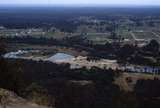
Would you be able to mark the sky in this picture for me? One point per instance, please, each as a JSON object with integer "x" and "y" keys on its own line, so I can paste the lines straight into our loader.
{"x": 86, "y": 2}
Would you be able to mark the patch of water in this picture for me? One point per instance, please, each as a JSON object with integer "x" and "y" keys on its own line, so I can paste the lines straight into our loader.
{"x": 60, "y": 57}
{"x": 14, "y": 54}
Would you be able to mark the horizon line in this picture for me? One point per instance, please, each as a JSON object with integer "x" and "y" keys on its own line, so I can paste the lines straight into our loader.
{"x": 84, "y": 5}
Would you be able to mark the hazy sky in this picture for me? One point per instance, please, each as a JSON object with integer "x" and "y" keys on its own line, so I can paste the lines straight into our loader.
{"x": 87, "y": 2}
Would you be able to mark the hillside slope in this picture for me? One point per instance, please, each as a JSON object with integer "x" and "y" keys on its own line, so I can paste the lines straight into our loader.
{"x": 9, "y": 99}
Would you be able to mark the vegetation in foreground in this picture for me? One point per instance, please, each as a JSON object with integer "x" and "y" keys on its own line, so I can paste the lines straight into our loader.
{"x": 61, "y": 87}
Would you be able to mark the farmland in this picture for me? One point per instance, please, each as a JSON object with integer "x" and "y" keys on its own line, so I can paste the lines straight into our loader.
{"x": 85, "y": 57}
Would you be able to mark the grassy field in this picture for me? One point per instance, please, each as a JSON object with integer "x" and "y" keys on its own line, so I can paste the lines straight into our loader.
{"x": 98, "y": 38}
{"x": 95, "y": 37}
{"x": 144, "y": 35}
{"x": 124, "y": 85}
{"x": 127, "y": 35}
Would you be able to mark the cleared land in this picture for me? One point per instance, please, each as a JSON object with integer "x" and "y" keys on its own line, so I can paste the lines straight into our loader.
{"x": 129, "y": 86}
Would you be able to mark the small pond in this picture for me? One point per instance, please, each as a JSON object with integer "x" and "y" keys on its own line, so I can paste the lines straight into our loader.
{"x": 60, "y": 57}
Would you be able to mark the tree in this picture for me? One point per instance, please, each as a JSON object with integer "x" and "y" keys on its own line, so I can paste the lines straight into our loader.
{"x": 125, "y": 52}
{"x": 2, "y": 47}
{"x": 11, "y": 76}
{"x": 153, "y": 46}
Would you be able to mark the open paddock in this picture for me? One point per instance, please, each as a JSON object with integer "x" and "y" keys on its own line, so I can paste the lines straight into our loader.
{"x": 98, "y": 38}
